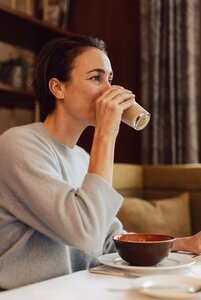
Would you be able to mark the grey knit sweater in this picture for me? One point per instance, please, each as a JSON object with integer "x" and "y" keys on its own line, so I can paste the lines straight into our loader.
{"x": 55, "y": 218}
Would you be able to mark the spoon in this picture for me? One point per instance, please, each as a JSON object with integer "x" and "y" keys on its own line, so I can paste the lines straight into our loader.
{"x": 193, "y": 289}
{"x": 140, "y": 289}
{"x": 189, "y": 289}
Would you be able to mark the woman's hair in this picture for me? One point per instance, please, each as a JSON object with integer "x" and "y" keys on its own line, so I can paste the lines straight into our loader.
{"x": 56, "y": 60}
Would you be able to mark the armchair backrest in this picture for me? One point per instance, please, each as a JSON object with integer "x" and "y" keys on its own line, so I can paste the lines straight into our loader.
{"x": 156, "y": 181}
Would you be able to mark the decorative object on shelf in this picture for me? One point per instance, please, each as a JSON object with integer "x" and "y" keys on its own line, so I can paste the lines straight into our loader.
{"x": 16, "y": 66}
{"x": 55, "y": 12}
{"x": 14, "y": 72}
{"x": 64, "y": 14}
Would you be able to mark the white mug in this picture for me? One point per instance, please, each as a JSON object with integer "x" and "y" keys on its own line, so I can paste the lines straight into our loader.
{"x": 136, "y": 116}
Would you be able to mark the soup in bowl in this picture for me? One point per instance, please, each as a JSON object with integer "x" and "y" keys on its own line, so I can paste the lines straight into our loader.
{"x": 143, "y": 249}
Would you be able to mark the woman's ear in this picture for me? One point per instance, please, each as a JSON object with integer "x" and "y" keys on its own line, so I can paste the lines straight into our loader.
{"x": 57, "y": 88}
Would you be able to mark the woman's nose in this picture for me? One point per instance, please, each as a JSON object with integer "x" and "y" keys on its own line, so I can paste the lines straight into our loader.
{"x": 106, "y": 85}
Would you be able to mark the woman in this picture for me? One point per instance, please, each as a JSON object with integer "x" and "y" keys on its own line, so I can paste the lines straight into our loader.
{"x": 58, "y": 207}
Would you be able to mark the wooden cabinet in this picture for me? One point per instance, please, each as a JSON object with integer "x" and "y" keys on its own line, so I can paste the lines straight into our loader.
{"x": 27, "y": 32}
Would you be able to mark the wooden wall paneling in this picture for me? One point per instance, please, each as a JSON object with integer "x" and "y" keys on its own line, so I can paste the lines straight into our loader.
{"x": 117, "y": 23}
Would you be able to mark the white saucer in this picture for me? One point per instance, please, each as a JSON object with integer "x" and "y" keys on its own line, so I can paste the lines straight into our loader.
{"x": 173, "y": 261}
{"x": 167, "y": 286}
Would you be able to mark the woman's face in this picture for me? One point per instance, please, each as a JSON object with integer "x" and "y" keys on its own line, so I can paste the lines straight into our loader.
{"x": 90, "y": 77}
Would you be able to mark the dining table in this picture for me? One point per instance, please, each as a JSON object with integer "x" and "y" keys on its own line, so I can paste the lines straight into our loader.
{"x": 103, "y": 284}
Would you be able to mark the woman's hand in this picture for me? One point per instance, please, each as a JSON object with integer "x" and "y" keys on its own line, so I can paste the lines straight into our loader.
{"x": 109, "y": 108}
{"x": 190, "y": 244}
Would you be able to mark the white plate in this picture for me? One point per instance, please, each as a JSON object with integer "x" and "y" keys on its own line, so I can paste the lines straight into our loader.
{"x": 173, "y": 261}
{"x": 167, "y": 286}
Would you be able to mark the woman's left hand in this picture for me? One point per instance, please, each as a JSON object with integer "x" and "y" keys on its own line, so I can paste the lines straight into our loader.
{"x": 190, "y": 243}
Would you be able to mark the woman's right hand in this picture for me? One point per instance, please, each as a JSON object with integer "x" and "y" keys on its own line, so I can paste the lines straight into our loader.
{"x": 109, "y": 108}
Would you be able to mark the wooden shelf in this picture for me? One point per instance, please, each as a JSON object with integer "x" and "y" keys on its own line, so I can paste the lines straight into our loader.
{"x": 26, "y": 31}
{"x": 9, "y": 96}
{"x": 22, "y": 30}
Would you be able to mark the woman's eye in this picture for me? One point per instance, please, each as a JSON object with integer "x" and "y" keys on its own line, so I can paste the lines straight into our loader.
{"x": 96, "y": 78}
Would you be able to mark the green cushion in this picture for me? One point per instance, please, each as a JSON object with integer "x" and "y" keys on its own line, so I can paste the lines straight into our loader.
{"x": 169, "y": 216}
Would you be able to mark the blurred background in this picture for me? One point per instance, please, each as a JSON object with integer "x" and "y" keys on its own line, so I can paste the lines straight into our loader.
{"x": 154, "y": 48}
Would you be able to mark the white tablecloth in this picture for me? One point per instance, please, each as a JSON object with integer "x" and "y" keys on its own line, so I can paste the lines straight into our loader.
{"x": 84, "y": 285}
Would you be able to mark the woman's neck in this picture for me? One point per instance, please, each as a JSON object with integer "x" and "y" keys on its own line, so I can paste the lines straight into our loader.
{"x": 64, "y": 130}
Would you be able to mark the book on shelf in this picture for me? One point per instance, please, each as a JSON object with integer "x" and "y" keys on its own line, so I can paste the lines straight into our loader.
{"x": 55, "y": 12}
{"x": 25, "y": 6}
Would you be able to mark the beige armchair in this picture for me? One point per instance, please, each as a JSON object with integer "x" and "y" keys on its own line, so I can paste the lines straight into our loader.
{"x": 156, "y": 182}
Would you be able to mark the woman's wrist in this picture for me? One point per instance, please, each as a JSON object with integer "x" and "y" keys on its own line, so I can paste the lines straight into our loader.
{"x": 191, "y": 243}
{"x": 181, "y": 244}
{"x": 106, "y": 133}
{"x": 102, "y": 156}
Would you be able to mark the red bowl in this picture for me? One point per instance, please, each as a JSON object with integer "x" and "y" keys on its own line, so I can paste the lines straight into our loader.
{"x": 143, "y": 249}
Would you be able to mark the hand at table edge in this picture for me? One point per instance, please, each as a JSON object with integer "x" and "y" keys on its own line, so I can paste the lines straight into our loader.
{"x": 189, "y": 243}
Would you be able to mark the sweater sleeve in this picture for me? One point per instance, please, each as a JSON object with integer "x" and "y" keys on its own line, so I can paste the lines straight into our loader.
{"x": 115, "y": 229}
{"x": 36, "y": 195}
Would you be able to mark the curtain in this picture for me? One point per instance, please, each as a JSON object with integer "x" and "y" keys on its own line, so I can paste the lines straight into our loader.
{"x": 170, "y": 80}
